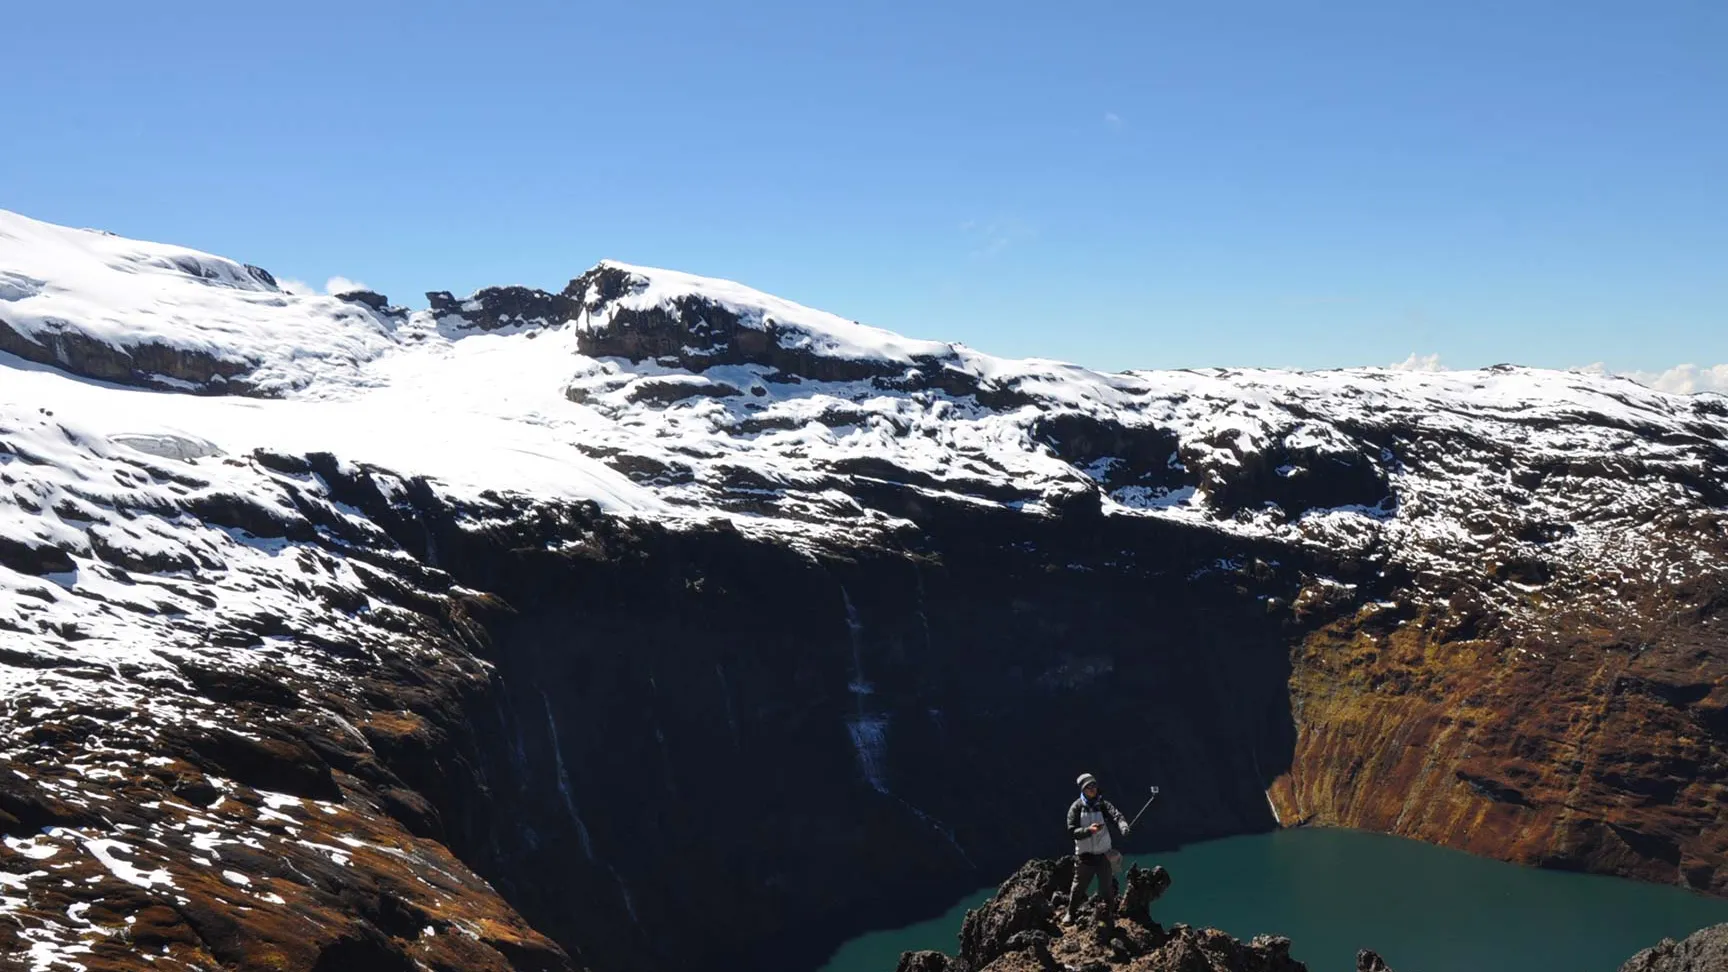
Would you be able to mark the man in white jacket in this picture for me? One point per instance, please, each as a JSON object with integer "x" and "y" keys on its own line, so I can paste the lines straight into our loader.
{"x": 1086, "y": 818}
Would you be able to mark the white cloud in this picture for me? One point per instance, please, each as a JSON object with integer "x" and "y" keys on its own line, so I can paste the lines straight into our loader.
{"x": 1419, "y": 362}
{"x": 342, "y": 285}
{"x": 1680, "y": 379}
{"x": 1112, "y": 119}
{"x": 289, "y": 285}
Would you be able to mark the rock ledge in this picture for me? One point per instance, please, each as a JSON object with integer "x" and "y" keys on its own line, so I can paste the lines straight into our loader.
{"x": 1020, "y": 930}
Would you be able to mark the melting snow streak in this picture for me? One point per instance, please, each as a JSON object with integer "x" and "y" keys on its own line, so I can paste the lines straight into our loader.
{"x": 564, "y": 780}
{"x": 870, "y": 738}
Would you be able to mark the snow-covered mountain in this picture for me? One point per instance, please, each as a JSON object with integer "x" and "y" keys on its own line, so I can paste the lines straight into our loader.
{"x": 264, "y": 557}
{"x": 663, "y": 394}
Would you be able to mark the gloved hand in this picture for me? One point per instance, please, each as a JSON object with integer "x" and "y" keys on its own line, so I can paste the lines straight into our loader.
{"x": 1124, "y": 830}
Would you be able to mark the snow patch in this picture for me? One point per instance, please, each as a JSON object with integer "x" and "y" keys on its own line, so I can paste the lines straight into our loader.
{"x": 108, "y": 851}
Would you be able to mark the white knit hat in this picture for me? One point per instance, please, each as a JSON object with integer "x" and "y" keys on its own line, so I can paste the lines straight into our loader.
{"x": 1085, "y": 780}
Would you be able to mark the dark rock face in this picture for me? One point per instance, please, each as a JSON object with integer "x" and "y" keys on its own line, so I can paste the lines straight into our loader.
{"x": 262, "y": 275}
{"x": 1702, "y": 951}
{"x": 1017, "y": 931}
{"x": 1297, "y": 480}
{"x": 373, "y": 300}
{"x": 668, "y": 391}
{"x": 1121, "y": 455}
{"x": 31, "y": 558}
{"x": 494, "y": 307}
{"x": 145, "y": 365}
{"x": 656, "y": 689}
{"x": 1370, "y": 961}
{"x": 696, "y": 333}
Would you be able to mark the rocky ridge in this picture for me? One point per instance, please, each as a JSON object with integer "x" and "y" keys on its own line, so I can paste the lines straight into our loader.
{"x": 1019, "y": 930}
{"x": 444, "y": 577}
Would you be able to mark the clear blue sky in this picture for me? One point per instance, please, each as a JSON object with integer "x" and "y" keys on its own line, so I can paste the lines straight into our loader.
{"x": 1147, "y": 184}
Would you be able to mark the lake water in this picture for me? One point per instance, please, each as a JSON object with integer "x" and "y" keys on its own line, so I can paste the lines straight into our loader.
{"x": 1424, "y": 908}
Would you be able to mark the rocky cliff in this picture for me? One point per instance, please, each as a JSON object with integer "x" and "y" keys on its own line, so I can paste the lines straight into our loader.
{"x": 598, "y": 627}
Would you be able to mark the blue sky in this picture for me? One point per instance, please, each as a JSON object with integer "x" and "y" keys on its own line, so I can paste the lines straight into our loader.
{"x": 1150, "y": 184}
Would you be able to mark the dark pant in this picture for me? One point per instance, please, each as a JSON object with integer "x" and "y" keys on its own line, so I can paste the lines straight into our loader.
{"x": 1088, "y": 867}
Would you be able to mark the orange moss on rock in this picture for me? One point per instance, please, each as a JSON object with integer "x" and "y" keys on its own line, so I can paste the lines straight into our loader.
{"x": 1571, "y": 747}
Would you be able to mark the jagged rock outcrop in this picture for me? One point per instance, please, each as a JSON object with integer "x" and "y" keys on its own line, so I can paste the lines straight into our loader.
{"x": 1705, "y": 950}
{"x": 491, "y": 308}
{"x": 373, "y": 300}
{"x": 625, "y": 317}
{"x": 1019, "y": 930}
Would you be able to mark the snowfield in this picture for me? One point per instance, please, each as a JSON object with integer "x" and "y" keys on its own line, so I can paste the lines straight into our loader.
{"x": 130, "y": 294}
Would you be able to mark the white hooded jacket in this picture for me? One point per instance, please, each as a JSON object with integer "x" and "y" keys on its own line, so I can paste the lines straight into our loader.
{"x": 1082, "y": 815}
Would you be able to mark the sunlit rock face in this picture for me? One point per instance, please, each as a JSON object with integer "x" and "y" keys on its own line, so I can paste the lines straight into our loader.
{"x": 1704, "y": 949}
{"x": 601, "y": 628}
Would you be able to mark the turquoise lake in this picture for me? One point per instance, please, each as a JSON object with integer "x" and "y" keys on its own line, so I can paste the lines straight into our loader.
{"x": 1424, "y": 908}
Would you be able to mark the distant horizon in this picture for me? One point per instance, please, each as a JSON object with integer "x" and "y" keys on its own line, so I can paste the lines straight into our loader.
{"x": 1123, "y": 186}
{"x": 1682, "y": 379}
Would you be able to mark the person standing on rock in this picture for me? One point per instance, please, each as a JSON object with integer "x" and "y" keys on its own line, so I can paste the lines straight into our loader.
{"x": 1086, "y": 824}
